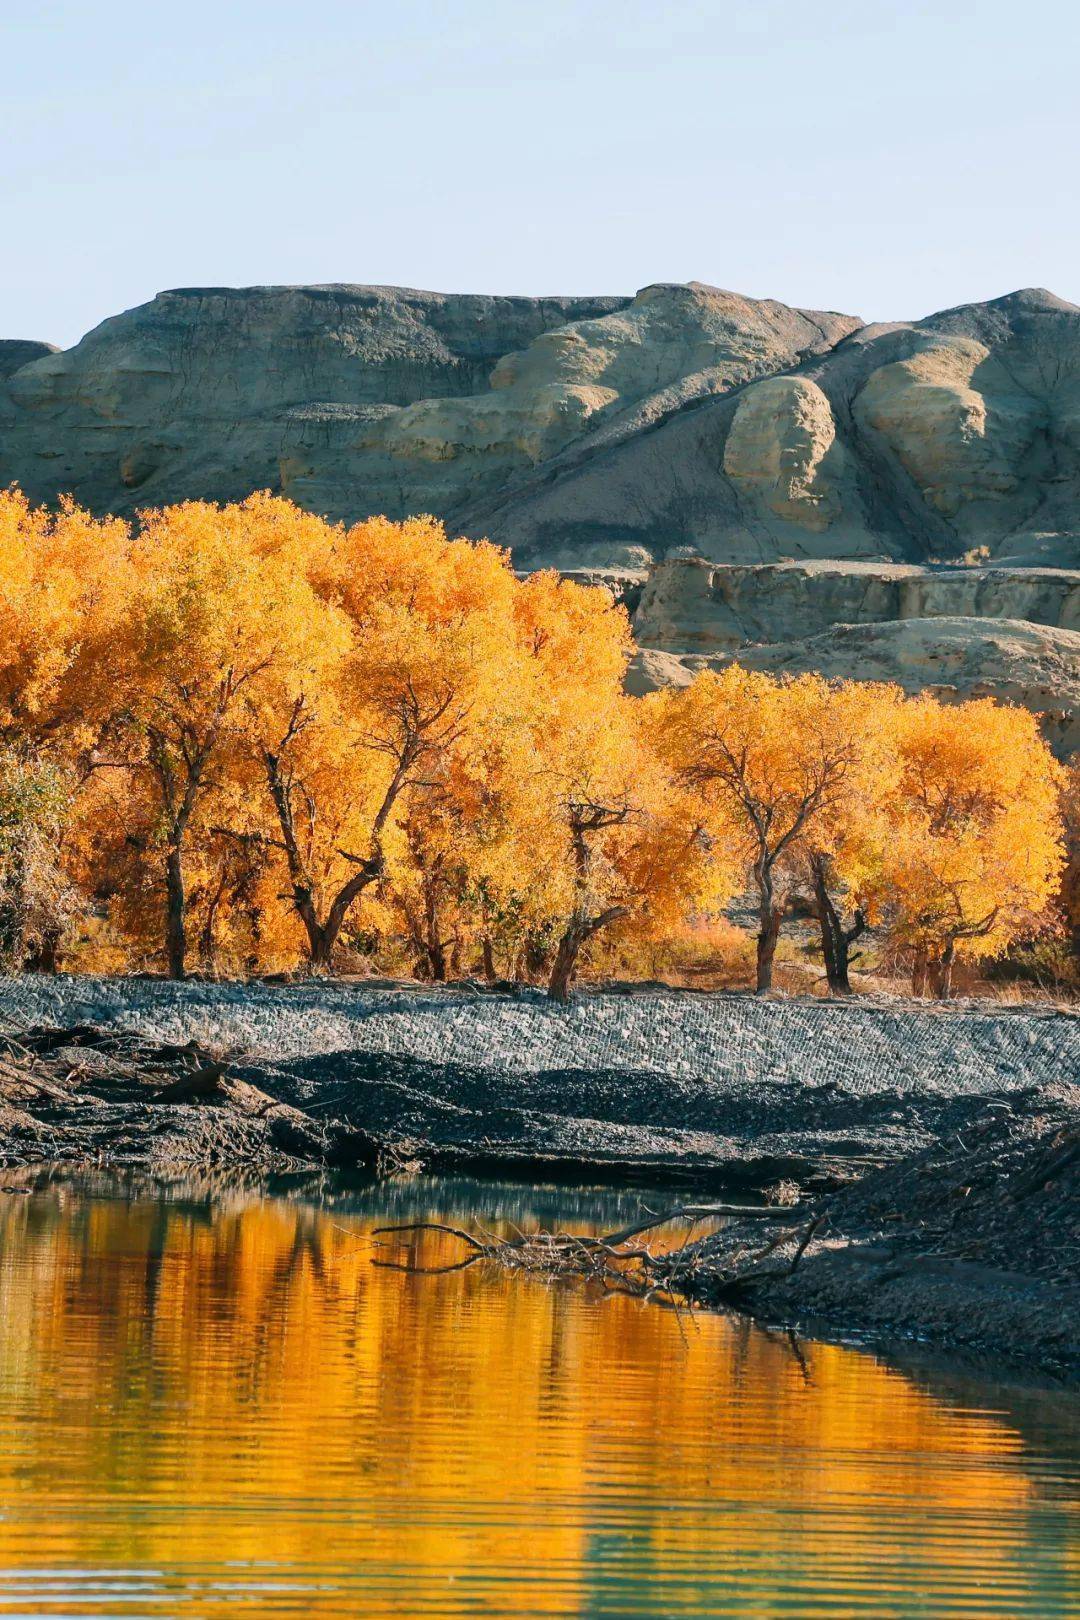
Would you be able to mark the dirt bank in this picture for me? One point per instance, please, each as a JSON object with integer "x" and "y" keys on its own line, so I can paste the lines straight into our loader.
{"x": 83, "y": 1098}
{"x": 90, "y": 1096}
{"x": 974, "y": 1241}
{"x": 654, "y": 1082}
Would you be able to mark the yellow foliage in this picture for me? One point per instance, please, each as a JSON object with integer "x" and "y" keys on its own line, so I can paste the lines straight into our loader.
{"x": 777, "y": 769}
{"x": 294, "y": 741}
{"x": 63, "y": 580}
{"x": 974, "y": 854}
{"x": 1070, "y": 813}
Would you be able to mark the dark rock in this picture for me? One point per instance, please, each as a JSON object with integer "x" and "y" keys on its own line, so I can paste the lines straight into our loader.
{"x": 17, "y": 352}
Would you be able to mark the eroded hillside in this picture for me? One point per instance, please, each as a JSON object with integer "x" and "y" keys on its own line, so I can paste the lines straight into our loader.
{"x": 744, "y": 473}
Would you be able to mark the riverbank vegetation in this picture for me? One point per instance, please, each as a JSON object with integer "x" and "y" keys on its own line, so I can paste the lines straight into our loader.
{"x": 240, "y": 739}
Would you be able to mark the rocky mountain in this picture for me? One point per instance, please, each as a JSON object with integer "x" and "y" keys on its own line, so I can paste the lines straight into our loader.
{"x": 955, "y": 435}
{"x": 355, "y": 400}
{"x": 743, "y": 473}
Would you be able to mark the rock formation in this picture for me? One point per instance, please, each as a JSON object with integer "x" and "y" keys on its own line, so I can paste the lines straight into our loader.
{"x": 688, "y": 605}
{"x": 18, "y": 352}
{"x": 745, "y": 475}
{"x": 1011, "y": 659}
{"x": 356, "y": 400}
{"x": 957, "y": 435}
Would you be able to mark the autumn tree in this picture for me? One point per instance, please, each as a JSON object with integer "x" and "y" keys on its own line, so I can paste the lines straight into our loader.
{"x": 1070, "y": 882}
{"x": 243, "y": 719}
{"x": 219, "y": 600}
{"x": 843, "y": 850}
{"x": 416, "y": 648}
{"x": 974, "y": 852}
{"x": 611, "y": 853}
{"x": 63, "y": 578}
{"x": 37, "y": 899}
{"x": 63, "y": 582}
{"x": 768, "y": 759}
{"x": 584, "y": 748}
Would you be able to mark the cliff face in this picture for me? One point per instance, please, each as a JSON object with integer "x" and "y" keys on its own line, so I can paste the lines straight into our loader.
{"x": 926, "y": 441}
{"x": 689, "y": 605}
{"x": 744, "y": 473}
{"x": 357, "y": 400}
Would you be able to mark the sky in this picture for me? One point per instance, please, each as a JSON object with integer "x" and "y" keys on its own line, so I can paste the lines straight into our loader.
{"x": 883, "y": 160}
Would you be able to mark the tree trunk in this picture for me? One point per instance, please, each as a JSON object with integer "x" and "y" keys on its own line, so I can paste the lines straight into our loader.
{"x": 45, "y": 958}
{"x": 320, "y": 949}
{"x": 770, "y": 916}
{"x": 919, "y": 970}
{"x": 534, "y": 959}
{"x": 175, "y": 914}
{"x": 434, "y": 944}
{"x": 323, "y": 936}
{"x": 488, "y": 958}
{"x": 836, "y": 940}
{"x": 944, "y": 972}
{"x": 206, "y": 938}
{"x": 767, "y": 940}
{"x": 579, "y": 929}
{"x": 562, "y": 971}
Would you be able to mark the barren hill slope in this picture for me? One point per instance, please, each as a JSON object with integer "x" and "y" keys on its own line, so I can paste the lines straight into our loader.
{"x": 908, "y": 442}
{"x": 358, "y": 400}
{"x": 744, "y": 473}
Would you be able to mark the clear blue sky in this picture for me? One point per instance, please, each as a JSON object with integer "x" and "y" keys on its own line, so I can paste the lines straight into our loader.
{"x": 885, "y": 160}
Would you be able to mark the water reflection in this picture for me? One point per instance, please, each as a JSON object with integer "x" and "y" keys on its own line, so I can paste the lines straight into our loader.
{"x": 213, "y": 1403}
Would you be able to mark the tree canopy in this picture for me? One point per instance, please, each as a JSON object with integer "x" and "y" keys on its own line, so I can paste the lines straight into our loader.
{"x": 242, "y": 739}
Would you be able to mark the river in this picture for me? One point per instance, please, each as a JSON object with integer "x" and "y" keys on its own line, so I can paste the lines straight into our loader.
{"x": 213, "y": 1402}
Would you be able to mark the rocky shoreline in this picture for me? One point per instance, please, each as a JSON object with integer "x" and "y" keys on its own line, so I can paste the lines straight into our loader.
{"x": 973, "y": 1241}
{"x": 943, "y": 1203}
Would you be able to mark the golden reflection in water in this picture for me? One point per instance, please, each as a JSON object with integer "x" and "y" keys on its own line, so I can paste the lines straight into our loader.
{"x": 228, "y": 1407}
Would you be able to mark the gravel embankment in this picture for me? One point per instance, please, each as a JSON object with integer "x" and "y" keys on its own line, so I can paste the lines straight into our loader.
{"x": 654, "y": 1082}
{"x": 951, "y": 1132}
{"x": 730, "y": 1040}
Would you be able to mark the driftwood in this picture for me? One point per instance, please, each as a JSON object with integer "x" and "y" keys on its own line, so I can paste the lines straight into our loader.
{"x": 1060, "y": 1160}
{"x": 608, "y": 1260}
{"x": 43, "y": 1041}
{"x": 204, "y": 1082}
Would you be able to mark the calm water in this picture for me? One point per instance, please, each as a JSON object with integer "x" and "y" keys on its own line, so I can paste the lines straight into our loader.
{"x": 216, "y": 1405}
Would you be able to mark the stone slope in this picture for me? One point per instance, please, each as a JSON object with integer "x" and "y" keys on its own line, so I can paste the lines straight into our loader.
{"x": 726, "y": 1043}
{"x": 360, "y": 400}
{"x": 209, "y": 391}
{"x": 687, "y": 604}
{"x": 911, "y": 442}
{"x": 1012, "y": 660}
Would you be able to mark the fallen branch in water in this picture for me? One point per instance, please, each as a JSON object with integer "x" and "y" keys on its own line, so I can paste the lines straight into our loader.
{"x": 746, "y": 1279}
{"x": 702, "y": 1212}
{"x": 605, "y": 1259}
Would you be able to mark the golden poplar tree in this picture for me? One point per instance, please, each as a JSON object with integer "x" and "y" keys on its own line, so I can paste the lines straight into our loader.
{"x": 415, "y": 642}
{"x": 768, "y": 759}
{"x": 219, "y": 602}
{"x": 974, "y": 854}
